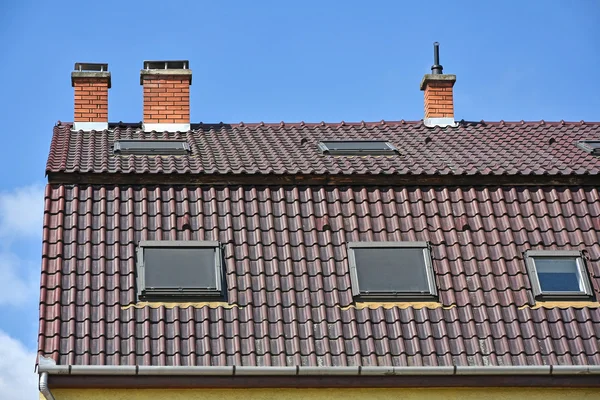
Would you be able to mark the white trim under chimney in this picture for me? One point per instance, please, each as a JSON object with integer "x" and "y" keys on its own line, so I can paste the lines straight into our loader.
{"x": 90, "y": 126}
{"x": 166, "y": 127}
{"x": 441, "y": 122}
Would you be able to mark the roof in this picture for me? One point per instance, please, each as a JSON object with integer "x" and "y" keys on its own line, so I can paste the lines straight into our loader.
{"x": 472, "y": 148}
{"x": 287, "y": 274}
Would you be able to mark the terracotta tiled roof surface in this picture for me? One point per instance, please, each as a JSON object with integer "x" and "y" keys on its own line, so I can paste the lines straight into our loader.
{"x": 289, "y": 298}
{"x": 516, "y": 148}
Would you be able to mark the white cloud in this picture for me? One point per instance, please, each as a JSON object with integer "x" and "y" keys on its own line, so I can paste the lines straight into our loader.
{"x": 17, "y": 289}
{"x": 18, "y": 381}
{"x": 21, "y": 211}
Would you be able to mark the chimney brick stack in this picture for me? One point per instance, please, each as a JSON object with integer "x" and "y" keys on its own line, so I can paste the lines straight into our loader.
{"x": 91, "y": 83}
{"x": 166, "y": 93}
{"x": 166, "y": 86}
{"x": 439, "y": 99}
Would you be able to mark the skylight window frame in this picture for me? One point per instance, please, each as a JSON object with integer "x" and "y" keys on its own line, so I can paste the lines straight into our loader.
{"x": 165, "y": 293}
{"x": 585, "y": 145}
{"x": 583, "y": 276}
{"x": 391, "y": 149}
{"x": 119, "y": 149}
{"x": 399, "y": 295}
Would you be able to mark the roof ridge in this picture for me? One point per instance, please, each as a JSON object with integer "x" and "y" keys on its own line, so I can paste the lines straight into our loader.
{"x": 282, "y": 124}
{"x": 402, "y": 121}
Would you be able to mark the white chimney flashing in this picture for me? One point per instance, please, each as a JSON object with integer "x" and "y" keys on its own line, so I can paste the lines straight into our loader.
{"x": 441, "y": 122}
{"x": 90, "y": 126}
{"x": 166, "y": 127}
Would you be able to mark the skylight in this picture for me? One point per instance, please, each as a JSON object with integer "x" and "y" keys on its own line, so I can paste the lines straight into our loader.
{"x": 558, "y": 274}
{"x": 391, "y": 270}
{"x": 591, "y": 146}
{"x": 151, "y": 147}
{"x": 357, "y": 147}
{"x": 178, "y": 269}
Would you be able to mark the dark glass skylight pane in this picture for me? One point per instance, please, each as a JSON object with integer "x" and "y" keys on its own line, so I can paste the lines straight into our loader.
{"x": 557, "y": 274}
{"x": 356, "y": 147}
{"x": 151, "y": 147}
{"x": 180, "y": 268}
{"x": 592, "y": 146}
{"x": 391, "y": 270}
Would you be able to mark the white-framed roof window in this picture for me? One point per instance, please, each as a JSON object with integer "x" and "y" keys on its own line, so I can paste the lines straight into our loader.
{"x": 558, "y": 274}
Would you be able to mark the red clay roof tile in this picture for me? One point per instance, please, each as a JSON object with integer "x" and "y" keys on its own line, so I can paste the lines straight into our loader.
{"x": 506, "y": 148}
{"x": 287, "y": 276}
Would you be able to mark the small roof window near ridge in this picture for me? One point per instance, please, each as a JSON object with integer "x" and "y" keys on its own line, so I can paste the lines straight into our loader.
{"x": 591, "y": 146}
{"x": 357, "y": 147}
{"x": 151, "y": 147}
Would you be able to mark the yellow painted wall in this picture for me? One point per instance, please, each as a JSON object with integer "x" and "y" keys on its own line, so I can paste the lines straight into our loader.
{"x": 328, "y": 394}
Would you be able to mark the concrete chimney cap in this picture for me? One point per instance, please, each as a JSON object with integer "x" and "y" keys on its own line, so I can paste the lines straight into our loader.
{"x": 90, "y": 71}
{"x": 437, "y": 78}
{"x": 167, "y": 68}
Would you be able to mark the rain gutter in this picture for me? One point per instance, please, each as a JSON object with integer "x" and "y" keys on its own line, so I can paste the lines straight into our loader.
{"x": 318, "y": 371}
{"x": 48, "y": 367}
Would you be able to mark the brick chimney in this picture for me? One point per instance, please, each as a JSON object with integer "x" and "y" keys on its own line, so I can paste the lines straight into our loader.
{"x": 166, "y": 95}
{"x": 439, "y": 100}
{"x": 91, "y": 83}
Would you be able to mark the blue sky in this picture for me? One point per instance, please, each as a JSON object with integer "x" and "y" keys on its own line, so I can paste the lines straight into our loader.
{"x": 266, "y": 61}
